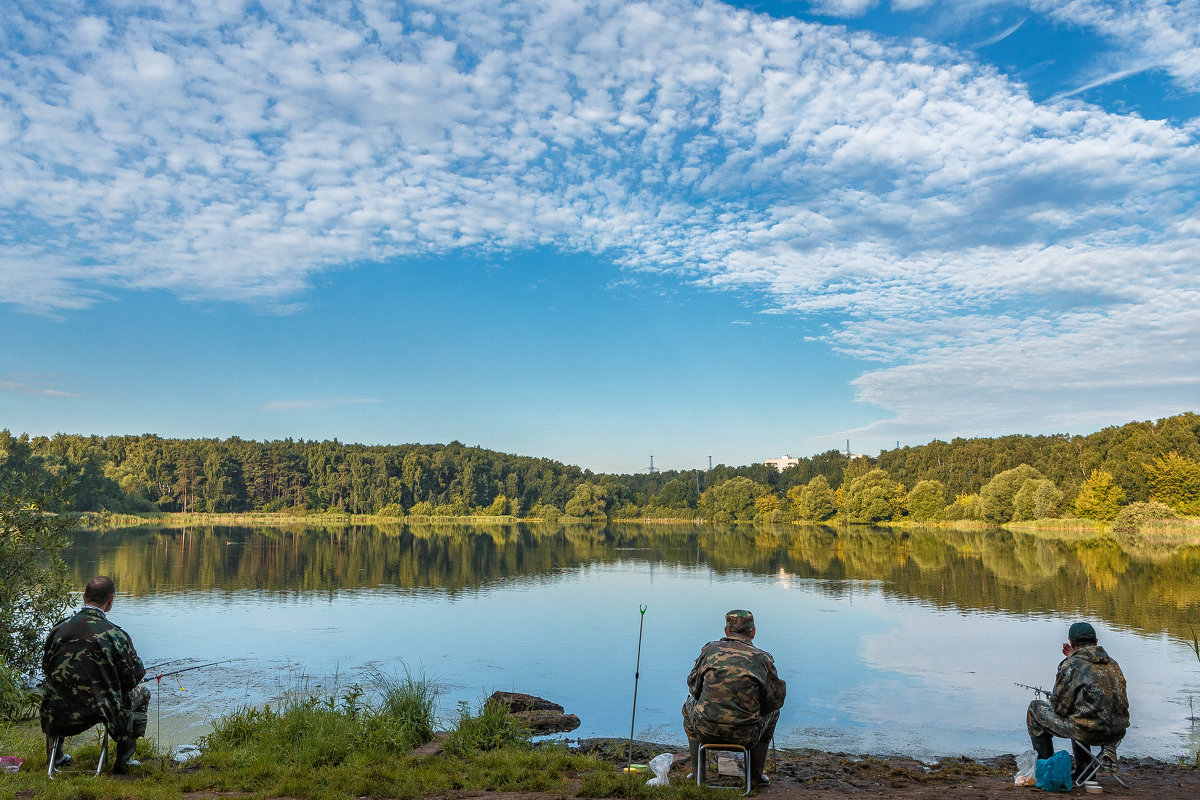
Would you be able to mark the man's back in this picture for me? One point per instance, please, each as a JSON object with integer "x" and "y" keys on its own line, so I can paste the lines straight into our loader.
{"x": 89, "y": 664}
{"x": 735, "y": 684}
{"x": 1090, "y": 690}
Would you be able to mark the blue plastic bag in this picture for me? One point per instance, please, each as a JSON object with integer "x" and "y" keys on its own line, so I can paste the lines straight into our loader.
{"x": 1054, "y": 773}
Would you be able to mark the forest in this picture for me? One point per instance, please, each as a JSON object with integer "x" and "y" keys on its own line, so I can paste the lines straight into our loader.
{"x": 1140, "y": 469}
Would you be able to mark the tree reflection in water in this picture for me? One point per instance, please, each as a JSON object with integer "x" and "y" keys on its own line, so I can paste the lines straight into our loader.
{"x": 1152, "y": 590}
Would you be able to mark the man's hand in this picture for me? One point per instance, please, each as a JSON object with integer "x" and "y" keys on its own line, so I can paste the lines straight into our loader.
{"x": 1068, "y": 648}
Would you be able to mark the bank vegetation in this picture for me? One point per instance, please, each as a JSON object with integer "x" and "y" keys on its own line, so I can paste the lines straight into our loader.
{"x": 1143, "y": 477}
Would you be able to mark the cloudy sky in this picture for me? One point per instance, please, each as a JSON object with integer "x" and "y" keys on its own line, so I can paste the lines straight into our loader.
{"x": 599, "y": 230}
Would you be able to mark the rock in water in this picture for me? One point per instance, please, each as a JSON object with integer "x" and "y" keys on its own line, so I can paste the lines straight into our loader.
{"x": 539, "y": 715}
{"x": 515, "y": 701}
{"x": 541, "y": 723}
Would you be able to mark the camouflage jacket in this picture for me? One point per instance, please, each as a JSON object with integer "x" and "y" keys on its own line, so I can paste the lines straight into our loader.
{"x": 735, "y": 684}
{"x": 90, "y": 667}
{"x": 1090, "y": 690}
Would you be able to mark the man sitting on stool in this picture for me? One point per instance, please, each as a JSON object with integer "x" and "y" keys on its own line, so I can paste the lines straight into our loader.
{"x": 93, "y": 675}
{"x": 1088, "y": 704}
{"x": 735, "y": 695}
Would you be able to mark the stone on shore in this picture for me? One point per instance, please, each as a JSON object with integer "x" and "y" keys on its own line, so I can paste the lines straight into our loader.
{"x": 538, "y": 714}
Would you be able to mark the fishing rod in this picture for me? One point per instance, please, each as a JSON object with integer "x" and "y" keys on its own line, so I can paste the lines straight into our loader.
{"x": 198, "y": 666}
{"x": 158, "y": 680}
{"x": 166, "y": 664}
{"x": 1034, "y": 689}
{"x": 636, "y": 671}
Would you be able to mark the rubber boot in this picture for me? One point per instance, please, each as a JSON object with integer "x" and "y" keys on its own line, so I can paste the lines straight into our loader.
{"x": 61, "y": 759}
{"x": 758, "y": 763}
{"x": 1043, "y": 745}
{"x": 125, "y": 749}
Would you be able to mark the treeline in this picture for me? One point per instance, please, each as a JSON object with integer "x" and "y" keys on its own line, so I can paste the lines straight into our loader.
{"x": 991, "y": 479}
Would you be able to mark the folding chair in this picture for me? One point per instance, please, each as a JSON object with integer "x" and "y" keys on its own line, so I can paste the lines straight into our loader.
{"x": 1094, "y": 765}
{"x": 55, "y": 743}
{"x": 702, "y": 759}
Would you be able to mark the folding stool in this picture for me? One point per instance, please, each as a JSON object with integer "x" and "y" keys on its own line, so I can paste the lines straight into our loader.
{"x": 702, "y": 763}
{"x": 1092, "y": 767}
{"x": 54, "y": 743}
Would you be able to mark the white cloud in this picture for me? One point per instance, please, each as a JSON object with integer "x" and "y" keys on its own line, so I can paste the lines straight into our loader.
{"x": 921, "y": 198}
{"x": 307, "y": 405}
{"x": 1163, "y": 34}
{"x": 46, "y": 385}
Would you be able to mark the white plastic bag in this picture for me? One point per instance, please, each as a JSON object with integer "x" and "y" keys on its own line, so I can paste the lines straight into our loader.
{"x": 660, "y": 765}
{"x": 1025, "y": 765}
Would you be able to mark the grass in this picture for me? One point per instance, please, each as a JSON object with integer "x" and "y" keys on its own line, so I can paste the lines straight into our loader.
{"x": 354, "y": 742}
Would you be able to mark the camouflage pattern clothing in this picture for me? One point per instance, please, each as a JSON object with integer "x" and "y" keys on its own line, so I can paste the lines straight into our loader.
{"x": 92, "y": 674}
{"x": 735, "y": 693}
{"x": 1088, "y": 703}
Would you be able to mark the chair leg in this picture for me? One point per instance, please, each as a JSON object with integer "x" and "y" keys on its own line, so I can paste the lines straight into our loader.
{"x": 103, "y": 748}
{"x": 52, "y": 745}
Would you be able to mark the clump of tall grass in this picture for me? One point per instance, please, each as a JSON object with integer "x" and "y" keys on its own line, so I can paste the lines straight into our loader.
{"x": 489, "y": 727}
{"x": 307, "y": 729}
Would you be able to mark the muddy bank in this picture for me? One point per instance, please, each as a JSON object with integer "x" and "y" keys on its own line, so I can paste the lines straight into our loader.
{"x": 803, "y": 774}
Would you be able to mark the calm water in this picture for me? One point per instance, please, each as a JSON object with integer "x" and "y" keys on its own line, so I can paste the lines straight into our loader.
{"x": 888, "y": 644}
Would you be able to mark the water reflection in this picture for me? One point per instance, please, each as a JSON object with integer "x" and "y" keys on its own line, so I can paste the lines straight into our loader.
{"x": 1150, "y": 590}
{"x": 889, "y": 643}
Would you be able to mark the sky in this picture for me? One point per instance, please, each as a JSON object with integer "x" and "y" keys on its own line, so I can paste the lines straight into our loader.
{"x": 598, "y": 231}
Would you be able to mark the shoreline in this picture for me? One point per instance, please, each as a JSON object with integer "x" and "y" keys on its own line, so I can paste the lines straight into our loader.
{"x": 1184, "y": 532}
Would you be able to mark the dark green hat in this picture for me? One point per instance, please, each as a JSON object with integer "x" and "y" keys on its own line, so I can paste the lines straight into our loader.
{"x": 1080, "y": 631}
{"x": 739, "y": 621}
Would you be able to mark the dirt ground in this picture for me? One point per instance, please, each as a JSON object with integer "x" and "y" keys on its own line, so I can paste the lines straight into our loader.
{"x": 815, "y": 775}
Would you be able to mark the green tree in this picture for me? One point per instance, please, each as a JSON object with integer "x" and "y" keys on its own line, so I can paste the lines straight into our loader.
{"x": 1175, "y": 481}
{"x": 926, "y": 500}
{"x": 1099, "y": 497}
{"x": 590, "y": 501}
{"x": 34, "y": 579}
{"x": 814, "y": 501}
{"x": 766, "y": 507}
{"x": 732, "y": 500}
{"x": 965, "y": 506}
{"x": 677, "y": 493}
{"x": 1038, "y": 498}
{"x": 873, "y": 497}
{"x": 1047, "y": 500}
{"x": 996, "y": 498}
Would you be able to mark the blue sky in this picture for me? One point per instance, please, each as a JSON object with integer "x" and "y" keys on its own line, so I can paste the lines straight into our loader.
{"x": 597, "y": 231}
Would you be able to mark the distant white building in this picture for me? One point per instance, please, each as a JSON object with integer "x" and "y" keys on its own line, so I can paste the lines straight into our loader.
{"x": 782, "y": 463}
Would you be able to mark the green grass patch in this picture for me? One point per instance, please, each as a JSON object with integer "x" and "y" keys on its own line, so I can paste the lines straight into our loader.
{"x": 350, "y": 742}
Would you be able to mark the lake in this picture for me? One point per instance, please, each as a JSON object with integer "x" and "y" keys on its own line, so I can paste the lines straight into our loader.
{"x": 889, "y": 643}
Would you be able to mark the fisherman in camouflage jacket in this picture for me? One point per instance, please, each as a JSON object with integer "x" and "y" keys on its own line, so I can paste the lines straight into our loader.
{"x": 93, "y": 675}
{"x": 735, "y": 694}
{"x": 1088, "y": 704}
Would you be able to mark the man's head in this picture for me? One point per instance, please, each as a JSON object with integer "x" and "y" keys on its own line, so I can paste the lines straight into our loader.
{"x": 739, "y": 622}
{"x": 1082, "y": 634}
{"x": 100, "y": 592}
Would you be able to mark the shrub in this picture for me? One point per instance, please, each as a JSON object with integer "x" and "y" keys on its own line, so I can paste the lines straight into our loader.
{"x": 391, "y": 510}
{"x": 16, "y": 702}
{"x": 965, "y": 506}
{"x": 491, "y": 727}
{"x": 34, "y": 579}
{"x": 1132, "y": 517}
